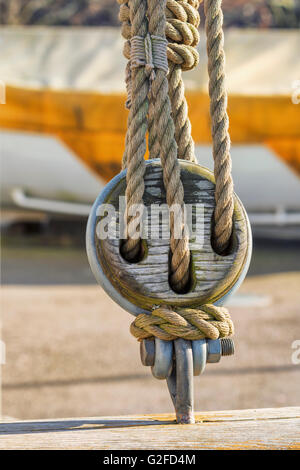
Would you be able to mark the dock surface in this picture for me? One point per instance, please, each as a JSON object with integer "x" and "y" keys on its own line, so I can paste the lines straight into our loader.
{"x": 69, "y": 351}
{"x": 269, "y": 428}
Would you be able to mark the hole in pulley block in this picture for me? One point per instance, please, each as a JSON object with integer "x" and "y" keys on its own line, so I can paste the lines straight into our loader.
{"x": 133, "y": 250}
{"x": 231, "y": 244}
{"x": 188, "y": 284}
{"x": 136, "y": 254}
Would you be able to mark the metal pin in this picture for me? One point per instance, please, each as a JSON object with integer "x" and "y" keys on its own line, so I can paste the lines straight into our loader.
{"x": 180, "y": 383}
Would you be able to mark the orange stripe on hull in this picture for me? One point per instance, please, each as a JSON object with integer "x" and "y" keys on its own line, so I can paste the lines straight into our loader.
{"x": 94, "y": 125}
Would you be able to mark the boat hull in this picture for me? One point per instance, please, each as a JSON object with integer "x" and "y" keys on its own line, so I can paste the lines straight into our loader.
{"x": 93, "y": 125}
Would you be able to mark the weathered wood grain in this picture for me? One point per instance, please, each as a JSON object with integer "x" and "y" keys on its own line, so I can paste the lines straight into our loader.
{"x": 147, "y": 283}
{"x": 277, "y": 428}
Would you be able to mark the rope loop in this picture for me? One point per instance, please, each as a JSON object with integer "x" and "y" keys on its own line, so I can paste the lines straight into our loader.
{"x": 207, "y": 321}
{"x": 181, "y": 28}
{"x": 185, "y": 56}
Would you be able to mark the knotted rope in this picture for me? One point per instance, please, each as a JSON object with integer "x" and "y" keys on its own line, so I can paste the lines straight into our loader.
{"x": 157, "y": 105}
{"x": 182, "y": 35}
{"x": 208, "y": 321}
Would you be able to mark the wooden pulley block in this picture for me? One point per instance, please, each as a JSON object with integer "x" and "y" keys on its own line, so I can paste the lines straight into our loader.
{"x": 140, "y": 286}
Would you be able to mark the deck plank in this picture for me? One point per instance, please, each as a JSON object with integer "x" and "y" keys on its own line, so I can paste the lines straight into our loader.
{"x": 271, "y": 428}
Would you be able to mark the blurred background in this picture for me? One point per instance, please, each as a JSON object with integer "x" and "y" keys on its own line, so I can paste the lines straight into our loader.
{"x": 62, "y": 126}
{"x": 237, "y": 13}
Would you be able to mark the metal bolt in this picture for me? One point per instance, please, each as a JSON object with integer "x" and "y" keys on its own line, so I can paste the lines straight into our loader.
{"x": 227, "y": 347}
{"x": 216, "y": 348}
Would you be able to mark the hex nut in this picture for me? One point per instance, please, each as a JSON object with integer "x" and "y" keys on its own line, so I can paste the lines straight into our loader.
{"x": 214, "y": 351}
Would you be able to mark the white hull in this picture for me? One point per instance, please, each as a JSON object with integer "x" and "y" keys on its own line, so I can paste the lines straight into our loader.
{"x": 39, "y": 173}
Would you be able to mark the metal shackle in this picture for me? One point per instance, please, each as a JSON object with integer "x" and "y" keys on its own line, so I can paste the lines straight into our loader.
{"x": 177, "y": 361}
{"x": 141, "y": 287}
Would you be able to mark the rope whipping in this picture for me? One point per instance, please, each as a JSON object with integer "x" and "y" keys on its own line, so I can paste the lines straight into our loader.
{"x": 157, "y": 104}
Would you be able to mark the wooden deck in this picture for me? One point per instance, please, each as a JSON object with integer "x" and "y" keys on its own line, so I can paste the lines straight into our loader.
{"x": 273, "y": 428}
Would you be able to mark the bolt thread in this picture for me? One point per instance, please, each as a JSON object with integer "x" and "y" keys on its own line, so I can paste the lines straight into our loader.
{"x": 227, "y": 347}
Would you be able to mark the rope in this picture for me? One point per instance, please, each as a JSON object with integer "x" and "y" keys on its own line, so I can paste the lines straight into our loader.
{"x": 182, "y": 22}
{"x": 208, "y": 321}
{"x": 220, "y": 124}
{"x": 182, "y": 33}
{"x": 163, "y": 131}
{"x": 181, "y": 29}
{"x": 136, "y": 136}
{"x": 157, "y": 104}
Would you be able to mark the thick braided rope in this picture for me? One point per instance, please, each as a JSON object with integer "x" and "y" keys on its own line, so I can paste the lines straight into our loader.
{"x": 179, "y": 51}
{"x": 221, "y": 141}
{"x": 186, "y": 57}
{"x": 136, "y": 135}
{"x": 179, "y": 246}
{"x": 220, "y": 123}
{"x": 182, "y": 33}
{"x": 208, "y": 321}
{"x": 164, "y": 131}
{"x": 182, "y": 28}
